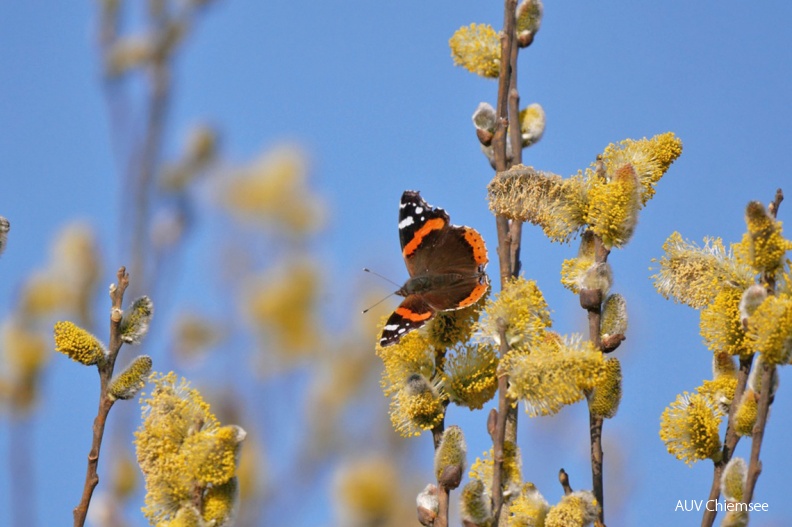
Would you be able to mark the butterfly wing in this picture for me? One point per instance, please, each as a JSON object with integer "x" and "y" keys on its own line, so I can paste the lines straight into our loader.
{"x": 458, "y": 260}
{"x": 451, "y": 259}
{"x": 420, "y": 225}
{"x": 411, "y": 314}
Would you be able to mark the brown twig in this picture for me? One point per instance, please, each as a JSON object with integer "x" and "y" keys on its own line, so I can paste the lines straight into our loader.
{"x": 105, "y": 403}
{"x": 443, "y": 493}
{"x": 508, "y": 236}
{"x": 591, "y": 300}
{"x": 757, "y": 435}
{"x": 731, "y": 439}
{"x": 729, "y": 443}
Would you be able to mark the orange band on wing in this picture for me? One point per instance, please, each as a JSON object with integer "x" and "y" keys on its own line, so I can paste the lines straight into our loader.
{"x": 412, "y": 315}
{"x": 477, "y": 242}
{"x": 474, "y": 297}
{"x": 431, "y": 225}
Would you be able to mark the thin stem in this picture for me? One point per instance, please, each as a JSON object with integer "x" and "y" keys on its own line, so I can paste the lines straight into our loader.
{"x": 499, "y": 433}
{"x": 147, "y": 164}
{"x": 508, "y": 239}
{"x": 443, "y": 493}
{"x": 594, "y": 309}
{"x": 729, "y": 443}
{"x": 731, "y": 438}
{"x": 757, "y": 435}
{"x": 105, "y": 403}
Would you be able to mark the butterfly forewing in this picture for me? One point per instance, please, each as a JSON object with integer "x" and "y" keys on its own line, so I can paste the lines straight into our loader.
{"x": 411, "y": 314}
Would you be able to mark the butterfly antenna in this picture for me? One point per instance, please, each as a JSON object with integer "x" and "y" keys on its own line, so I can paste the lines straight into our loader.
{"x": 366, "y": 269}
{"x": 384, "y": 299}
{"x": 377, "y": 303}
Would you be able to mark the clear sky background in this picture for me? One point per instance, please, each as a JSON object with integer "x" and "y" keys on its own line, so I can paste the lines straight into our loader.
{"x": 370, "y": 91}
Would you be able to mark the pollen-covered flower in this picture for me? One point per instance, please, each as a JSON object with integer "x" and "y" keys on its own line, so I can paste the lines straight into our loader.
{"x": 767, "y": 245}
{"x": 613, "y": 206}
{"x": 411, "y": 355}
{"x": 482, "y": 468}
{"x": 470, "y": 375}
{"x": 129, "y": 382}
{"x": 448, "y": 328}
{"x": 477, "y": 48}
{"x": 721, "y": 324}
{"x": 614, "y": 316}
{"x": 281, "y": 306}
{"x": 732, "y": 486}
{"x": 649, "y": 158}
{"x": 220, "y": 504}
{"x": 574, "y": 270}
{"x": 24, "y": 354}
{"x": 418, "y": 406}
{"x": 532, "y": 124}
{"x": 552, "y": 376}
{"x": 720, "y": 391}
{"x": 522, "y": 310}
{"x": 770, "y": 329}
{"x": 751, "y": 299}
{"x": 450, "y": 458}
{"x": 77, "y": 344}
{"x": 723, "y": 365}
{"x": 553, "y": 203}
{"x": 182, "y": 449}
{"x": 577, "y": 509}
{"x": 475, "y": 504}
{"x": 364, "y": 489}
{"x": 689, "y": 428}
{"x": 274, "y": 190}
{"x": 733, "y": 479}
{"x": 136, "y": 320}
{"x": 528, "y": 509}
{"x": 745, "y": 416}
{"x": 694, "y": 275}
{"x": 606, "y": 396}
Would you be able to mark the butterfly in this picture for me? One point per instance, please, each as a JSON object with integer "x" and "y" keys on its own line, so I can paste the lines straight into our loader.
{"x": 446, "y": 265}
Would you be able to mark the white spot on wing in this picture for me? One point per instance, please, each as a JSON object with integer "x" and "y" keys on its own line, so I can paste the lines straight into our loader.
{"x": 418, "y": 210}
{"x": 406, "y": 222}
{"x": 390, "y": 327}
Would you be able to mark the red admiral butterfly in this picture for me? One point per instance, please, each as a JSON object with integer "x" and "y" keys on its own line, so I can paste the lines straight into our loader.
{"x": 446, "y": 265}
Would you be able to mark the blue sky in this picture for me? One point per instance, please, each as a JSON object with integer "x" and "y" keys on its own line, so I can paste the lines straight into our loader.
{"x": 370, "y": 91}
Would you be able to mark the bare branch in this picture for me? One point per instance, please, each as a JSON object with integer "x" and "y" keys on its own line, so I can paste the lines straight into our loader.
{"x": 105, "y": 403}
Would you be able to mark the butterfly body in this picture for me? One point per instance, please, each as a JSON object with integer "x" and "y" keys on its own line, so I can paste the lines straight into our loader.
{"x": 446, "y": 265}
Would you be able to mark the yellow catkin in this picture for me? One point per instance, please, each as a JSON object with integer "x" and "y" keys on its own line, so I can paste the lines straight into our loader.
{"x": 690, "y": 428}
{"x": 77, "y": 344}
{"x": 477, "y": 48}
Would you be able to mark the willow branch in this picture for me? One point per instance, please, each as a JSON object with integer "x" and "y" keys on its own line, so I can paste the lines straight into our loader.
{"x": 729, "y": 443}
{"x": 591, "y": 300}
{"x": 508, "y": 239}
{"x": 731, "y": 439}
{"x": 105, "y": 403}
{"x": 757, "y": 435}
